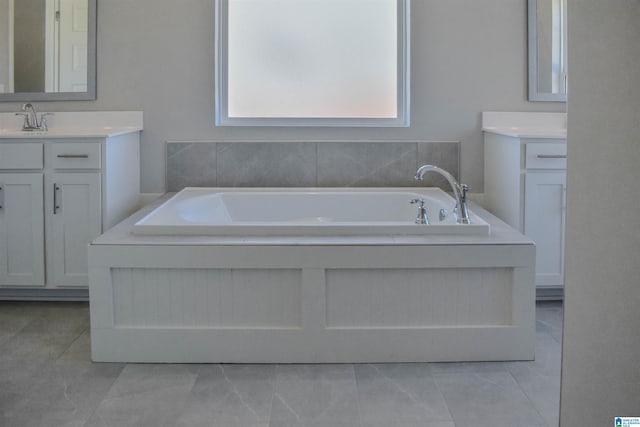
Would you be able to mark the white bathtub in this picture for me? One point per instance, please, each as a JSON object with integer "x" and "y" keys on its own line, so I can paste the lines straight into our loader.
{"x": 331, "y": 211}
{"x": 309, "y": 299}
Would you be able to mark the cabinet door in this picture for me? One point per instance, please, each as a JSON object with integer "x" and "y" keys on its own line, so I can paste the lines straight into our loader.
{"x": 544, "y": 222}
{"x": 21, "y": 229}
{"x": 73, "y": 213}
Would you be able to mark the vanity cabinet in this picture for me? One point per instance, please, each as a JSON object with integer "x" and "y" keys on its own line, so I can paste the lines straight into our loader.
{"x": 73, "y": 220}
{"x": 21, "y": 229}
{"x": 525, "y": 186}
{"x": 57, "y": 195}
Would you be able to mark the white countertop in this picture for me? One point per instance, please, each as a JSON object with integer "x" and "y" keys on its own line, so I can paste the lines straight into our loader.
{"x": 104, "y": 132}
{"x": 523, "y": 132}
{"x": 93, "y": 124}
{"x": 525, "y": 124}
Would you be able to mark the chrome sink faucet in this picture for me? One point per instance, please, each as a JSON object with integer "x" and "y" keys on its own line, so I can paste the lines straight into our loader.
{"x": 31, "y": 121}
{"x": 459, "y": 191}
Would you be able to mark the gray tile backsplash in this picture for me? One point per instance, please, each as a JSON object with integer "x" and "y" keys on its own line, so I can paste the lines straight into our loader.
{"x": 306, "y": 164}
{"x": 266, "y": 164}
{"x": 356, "y": 164}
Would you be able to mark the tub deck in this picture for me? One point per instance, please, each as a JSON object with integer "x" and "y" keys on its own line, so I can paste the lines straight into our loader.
{"x": 307, "y": 299}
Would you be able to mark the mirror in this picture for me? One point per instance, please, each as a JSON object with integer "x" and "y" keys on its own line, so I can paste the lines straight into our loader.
{"x": 547, "y": 23}
{"x": 47, "y": 50}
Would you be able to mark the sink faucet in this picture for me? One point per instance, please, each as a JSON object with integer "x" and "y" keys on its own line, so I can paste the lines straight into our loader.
{"x": 31, "y": 121}
{"x": 459, "y": 191}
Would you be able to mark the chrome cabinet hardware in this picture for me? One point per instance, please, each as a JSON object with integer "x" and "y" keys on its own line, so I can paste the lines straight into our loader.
{"x": 73, "y": 156}
{"x": 552, "y": 156}
{"x": 1, "y": 196}
{"x": 56, "y": 188}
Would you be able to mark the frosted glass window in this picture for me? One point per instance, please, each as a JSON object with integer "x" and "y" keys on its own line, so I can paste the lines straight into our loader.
{"x": 312, "y": 62}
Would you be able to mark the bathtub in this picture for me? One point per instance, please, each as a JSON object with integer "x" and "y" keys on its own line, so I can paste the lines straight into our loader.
{"x": 332, "y": 211}
{"x": 181, "y": 281}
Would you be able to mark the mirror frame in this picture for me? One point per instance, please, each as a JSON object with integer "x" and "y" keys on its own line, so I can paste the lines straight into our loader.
{"x": 90, "y": 94}
{"x": 534, "y": 94}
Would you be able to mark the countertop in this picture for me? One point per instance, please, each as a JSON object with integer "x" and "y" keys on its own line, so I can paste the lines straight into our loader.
{"x": 522, "y": 132}
{"x": 526, "y": 124}
{"x": 92, "y": 132}
{"x": 81, "y": 124}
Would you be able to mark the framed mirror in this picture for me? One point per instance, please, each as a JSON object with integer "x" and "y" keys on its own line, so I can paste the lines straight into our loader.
{"x": 47, "y": 50}
{"x": 547, "y": 33}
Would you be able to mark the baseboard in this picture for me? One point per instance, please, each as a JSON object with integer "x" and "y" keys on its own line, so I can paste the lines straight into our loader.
{"x": 19, "y": 294}
{"x": 553, "y": 293}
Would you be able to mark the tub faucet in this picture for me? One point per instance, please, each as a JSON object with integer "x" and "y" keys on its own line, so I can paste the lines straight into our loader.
{"x": 422, "y": 217}
{"x": 459, "y": 191}
{"x": 31, "y": 121}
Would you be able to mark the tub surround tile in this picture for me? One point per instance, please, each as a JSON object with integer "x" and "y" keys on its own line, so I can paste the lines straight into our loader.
{"x": 306, "y": 164}
{"x": 366, "y": 164}
{"x": 444, "y": 155}
{"x": 269, "y": 164}
{"x": 190, "y": 165}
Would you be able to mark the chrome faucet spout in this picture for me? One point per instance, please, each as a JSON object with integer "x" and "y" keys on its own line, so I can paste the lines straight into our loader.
{"x": 459, "y": 191}
{"x": 32, "y": 119}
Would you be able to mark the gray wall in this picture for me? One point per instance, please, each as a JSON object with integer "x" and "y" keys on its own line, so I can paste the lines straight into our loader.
{"x": 601, "y": 363}
{"x": 467, "y": 56}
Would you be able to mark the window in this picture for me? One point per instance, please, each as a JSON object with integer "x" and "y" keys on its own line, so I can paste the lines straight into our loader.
{"x": 312, "y": 62}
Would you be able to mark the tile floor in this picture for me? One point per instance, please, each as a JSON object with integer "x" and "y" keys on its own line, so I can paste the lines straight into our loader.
{"x": 47, "y": 379}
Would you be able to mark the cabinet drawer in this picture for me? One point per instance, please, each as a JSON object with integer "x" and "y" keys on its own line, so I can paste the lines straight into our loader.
{"x": 69, "y": 155}
{"x": 21, "y": 155}
{"x": 546, "y": 156}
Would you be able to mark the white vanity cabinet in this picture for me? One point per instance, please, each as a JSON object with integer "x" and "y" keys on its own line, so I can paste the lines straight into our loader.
{"x": 525, "y": 185}
{"x": 57, "y": 195}
{"x": 21, "y": 229}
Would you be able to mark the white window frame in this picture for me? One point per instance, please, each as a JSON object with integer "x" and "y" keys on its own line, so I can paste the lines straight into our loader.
{"x": 403, "y": 82}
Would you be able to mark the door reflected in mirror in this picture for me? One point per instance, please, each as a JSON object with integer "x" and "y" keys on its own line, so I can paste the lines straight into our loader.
{"x": 547, "y": 50}
{"x": 47, "y": 50}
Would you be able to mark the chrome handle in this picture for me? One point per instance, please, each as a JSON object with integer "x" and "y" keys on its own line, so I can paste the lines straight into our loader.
{"x": 552, "y": 156}
{"x": 43, "y": 121}
{"x": 55, "y": 198}
{"x": 422, "y": 211}
{"x": 26, "y": 124}
{"x": 1, "y": 196}
{"x": 73, "y": 156}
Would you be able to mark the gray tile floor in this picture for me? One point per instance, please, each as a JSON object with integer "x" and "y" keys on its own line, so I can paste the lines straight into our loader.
{"x": 47, "y": 379}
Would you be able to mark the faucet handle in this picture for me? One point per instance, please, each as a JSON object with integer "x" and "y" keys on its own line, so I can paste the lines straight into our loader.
{"x": 43, "y": 121}
{"x": 25, "y": 122}
{"x": 422, "y": 217}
